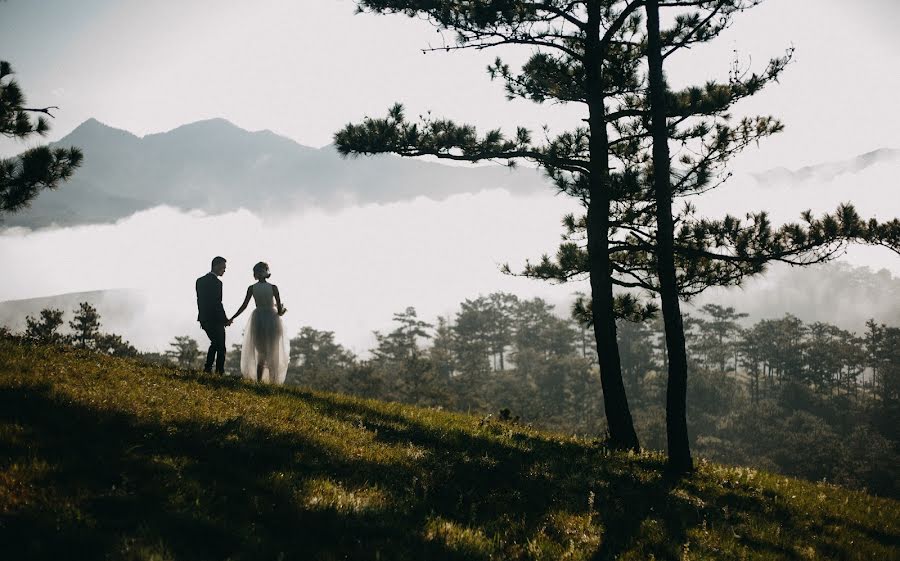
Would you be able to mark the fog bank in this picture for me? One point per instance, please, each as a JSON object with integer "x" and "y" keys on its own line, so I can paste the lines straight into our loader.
{"x": 347, "y": 271}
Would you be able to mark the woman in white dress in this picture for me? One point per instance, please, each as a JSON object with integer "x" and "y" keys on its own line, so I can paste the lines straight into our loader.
{"x": 263, "y": 357}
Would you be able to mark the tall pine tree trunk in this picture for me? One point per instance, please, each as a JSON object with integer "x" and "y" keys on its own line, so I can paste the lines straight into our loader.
{"x": 621, "y": 428}
{"x": 676, "y": 394}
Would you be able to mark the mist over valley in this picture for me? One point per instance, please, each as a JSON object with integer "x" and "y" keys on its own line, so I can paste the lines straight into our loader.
{"x": 351, "y": 241}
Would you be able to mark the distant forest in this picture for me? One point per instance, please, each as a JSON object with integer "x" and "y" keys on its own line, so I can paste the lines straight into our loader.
{"x": 805, "y": 399}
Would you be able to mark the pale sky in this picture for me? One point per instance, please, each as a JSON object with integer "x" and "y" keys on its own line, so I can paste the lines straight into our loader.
{"x": 304, "y": 68}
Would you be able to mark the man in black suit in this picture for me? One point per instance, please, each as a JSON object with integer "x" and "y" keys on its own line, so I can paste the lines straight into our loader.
{"x": 211, "y": 314}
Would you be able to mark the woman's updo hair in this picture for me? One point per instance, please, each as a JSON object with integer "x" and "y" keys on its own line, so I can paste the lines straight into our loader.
{"x": 261, "y": 271}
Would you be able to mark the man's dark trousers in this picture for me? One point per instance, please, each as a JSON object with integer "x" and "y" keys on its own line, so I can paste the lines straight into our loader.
{"x": 216, "y": 352}
{"x": 212, "y": 318}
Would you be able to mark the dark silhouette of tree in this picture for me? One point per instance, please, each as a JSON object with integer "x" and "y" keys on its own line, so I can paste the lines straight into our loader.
{"x": 591, "y": 52}
{"x": 580, "y": 55}
{"x": 85, "y": 331}
{"x": 85, "y": 326}
{"x": 45, "y": 328}
{"x": 23, "y": 177}
{"x": 650, "y": 253}
{"x": 113, "y": 345}
{"x": 717, "y": 142}
{"x": 676, "y": 397}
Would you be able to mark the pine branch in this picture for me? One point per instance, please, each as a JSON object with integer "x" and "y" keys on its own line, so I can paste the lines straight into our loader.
{"x": 45, "y": 110}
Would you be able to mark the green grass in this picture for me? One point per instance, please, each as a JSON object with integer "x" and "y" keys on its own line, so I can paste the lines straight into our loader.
{"x": 109, "y": 459}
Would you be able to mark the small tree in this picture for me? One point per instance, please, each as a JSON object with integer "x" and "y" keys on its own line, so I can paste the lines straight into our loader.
{"x": 405, "y": 366}
{"x": 719, "y": 332}
{"x": 114, "y": 345}
{"x": 85, "y": 326}
{"x": 44, "y": 329}
{"x": 403, "y": 342}
{"x": 184, "y": 352}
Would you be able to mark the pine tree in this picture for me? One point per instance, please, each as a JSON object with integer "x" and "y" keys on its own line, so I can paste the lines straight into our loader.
{"x": 185, "y": 352}
{"x": 442, "y": 352}
{"x": 85, "y": 326}
{"x": 501, "y": 309}
{"x": 403, "y": 342}
{"x": 580, "y": 54}
{"x": 717, "y": 142}
{"x": 719, "y": 332}
{"x": 23, "y": 177}
{"x": 44, "y": 329}
{"x": 592, "y": 53}
{"x": 650, "y": 254}
{"x": 471, "y": 332}
{"x": 404, "y": 364}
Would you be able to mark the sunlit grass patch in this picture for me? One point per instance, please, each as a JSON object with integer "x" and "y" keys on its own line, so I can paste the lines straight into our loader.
{"x": 322, "y": 493}
{"x": 458, "y": 538}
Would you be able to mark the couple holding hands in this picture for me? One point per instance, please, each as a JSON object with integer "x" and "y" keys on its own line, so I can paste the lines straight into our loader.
{"x": 263, "y": 356}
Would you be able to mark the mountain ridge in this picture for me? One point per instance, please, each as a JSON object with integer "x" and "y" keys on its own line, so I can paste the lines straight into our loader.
{"x": 215, "y": 166}
{"x": 827, "y": 171}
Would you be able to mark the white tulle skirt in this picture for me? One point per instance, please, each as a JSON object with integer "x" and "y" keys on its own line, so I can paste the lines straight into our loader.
{"x": 264, "y": 344}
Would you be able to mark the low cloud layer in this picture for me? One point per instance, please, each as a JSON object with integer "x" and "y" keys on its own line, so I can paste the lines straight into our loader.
{"x": 347, "y": 271}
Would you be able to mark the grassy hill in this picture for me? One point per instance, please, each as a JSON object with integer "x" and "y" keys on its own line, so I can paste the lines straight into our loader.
{"x": 107, "y": 458}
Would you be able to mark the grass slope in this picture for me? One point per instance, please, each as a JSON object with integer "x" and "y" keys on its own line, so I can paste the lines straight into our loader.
{"x": 107, "y": 458}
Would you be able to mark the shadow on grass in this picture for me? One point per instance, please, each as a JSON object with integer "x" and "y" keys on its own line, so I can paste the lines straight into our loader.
{"x": 485, "y": 482}
{"x": 200, "y": 490}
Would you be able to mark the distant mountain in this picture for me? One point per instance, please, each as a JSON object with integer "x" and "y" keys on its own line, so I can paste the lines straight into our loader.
{"x": 117, "y": 308}
{"x": 829, "y": 170}
{"x": 215, "y": 166}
